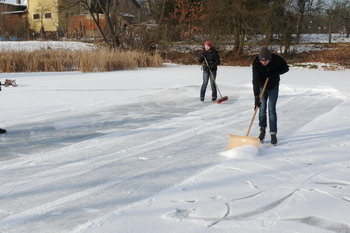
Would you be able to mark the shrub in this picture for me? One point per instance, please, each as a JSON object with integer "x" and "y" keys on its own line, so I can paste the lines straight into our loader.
{"x": 85, "y": 61}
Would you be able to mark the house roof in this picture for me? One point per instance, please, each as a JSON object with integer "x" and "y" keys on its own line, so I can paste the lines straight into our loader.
{"x": 13, "y": 2}
{"x": 13, "y": 12}
{"x": 13, "y": 7}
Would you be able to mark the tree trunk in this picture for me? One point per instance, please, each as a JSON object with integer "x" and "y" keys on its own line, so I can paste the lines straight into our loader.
{"x": 162, "y": 14}
{"x": 236, "y": 39}
{"x": 330, "y": 31}
{"x": 241, "y": 42}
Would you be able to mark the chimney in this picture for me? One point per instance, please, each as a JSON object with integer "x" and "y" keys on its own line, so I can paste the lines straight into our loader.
{"x": 18, "y": 1}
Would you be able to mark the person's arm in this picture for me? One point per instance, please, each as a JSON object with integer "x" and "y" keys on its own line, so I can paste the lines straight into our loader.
{"x": 284, "y": 67}
{"x": 281, "y": 68}
{"x": 201, "y": 57}
{"x": 216, "y": 59}
{"x": 256, "y": 79}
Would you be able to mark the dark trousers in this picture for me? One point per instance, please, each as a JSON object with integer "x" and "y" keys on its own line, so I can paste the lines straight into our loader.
{"x": 206, "y": 79}
{"x": 269, "y": 100}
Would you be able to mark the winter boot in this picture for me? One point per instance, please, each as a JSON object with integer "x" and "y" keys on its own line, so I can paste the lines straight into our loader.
{"x": 2, "y": 131}
{"x": 273, "y": 139}
{"x": 202, "y": 99}
{"x": 262, "y": 134}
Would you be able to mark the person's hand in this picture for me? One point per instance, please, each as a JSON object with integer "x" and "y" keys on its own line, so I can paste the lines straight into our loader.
{"x": 257, "y": 102}
{"x": 205, "y": 68}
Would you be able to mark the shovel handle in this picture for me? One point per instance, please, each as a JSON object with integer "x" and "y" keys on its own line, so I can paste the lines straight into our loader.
{"x": 257, "y": 107}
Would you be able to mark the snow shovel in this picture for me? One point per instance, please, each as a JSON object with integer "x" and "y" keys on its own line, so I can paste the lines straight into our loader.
{"x": 237, "y": 140}
{"x": 222, "y": 99}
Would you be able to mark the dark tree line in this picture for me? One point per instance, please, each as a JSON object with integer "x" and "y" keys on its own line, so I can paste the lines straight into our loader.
{"x": 279, "y": 22}
{"x": 227, "y": 22}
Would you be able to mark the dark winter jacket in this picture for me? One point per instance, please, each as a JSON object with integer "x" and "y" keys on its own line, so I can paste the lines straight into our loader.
{"x": 212, "y": 57}
{"x": 273, "y": 70}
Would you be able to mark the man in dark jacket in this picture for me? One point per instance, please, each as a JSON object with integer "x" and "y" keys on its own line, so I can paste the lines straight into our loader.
{"x": 212, "y": 57}
{"x": 267, "y": 65}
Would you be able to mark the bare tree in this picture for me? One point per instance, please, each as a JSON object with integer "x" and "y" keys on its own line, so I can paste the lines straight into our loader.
{"x": 110, "y": 11}
{"x": 302, "y": 8}
{"x": 160, "y": 22}
{"x": 332, "y": 12}
{"x": 344, "y": 14}
{"x": 230, "y": 20}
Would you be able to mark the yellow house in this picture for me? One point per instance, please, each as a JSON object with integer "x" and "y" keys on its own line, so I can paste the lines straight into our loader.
{"x": 43, "y": 15}
{"x": 53, "y": 15}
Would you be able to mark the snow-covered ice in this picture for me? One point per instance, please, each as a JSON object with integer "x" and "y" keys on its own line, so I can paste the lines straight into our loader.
{"x": 136, "y": 151}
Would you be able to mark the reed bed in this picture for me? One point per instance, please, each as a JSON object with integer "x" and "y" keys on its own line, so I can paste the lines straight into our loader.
{"x": 85, "y": 61}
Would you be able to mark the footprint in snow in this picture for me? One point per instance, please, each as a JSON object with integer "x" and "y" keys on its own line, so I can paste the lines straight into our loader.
{"x": 188, "y": 201}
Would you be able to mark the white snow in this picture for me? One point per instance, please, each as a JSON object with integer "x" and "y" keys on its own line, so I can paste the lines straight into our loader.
{"x": 136, "y": 151}
{"x": 308, "y": 43}
{"x": 37, "y": 45}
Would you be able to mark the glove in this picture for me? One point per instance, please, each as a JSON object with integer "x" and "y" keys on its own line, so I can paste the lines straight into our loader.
{"x": 257, "y": 102}
{"x": 205, "y": 68}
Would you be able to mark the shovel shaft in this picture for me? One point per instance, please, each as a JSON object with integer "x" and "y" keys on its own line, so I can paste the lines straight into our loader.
{"x": 257, "y": 107}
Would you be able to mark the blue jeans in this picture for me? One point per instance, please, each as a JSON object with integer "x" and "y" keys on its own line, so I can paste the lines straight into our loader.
{"x": 205, "y": 84}
{"x": 270, "y": 99}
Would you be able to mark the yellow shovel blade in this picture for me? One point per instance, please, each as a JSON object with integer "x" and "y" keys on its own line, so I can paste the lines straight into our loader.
{"x": 237, "y": 141}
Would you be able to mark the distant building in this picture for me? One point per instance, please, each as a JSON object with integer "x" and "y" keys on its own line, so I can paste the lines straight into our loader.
{"x": 56, "y": 18}
{"x": 81, "y": 24}
{"x": 13, "y": 21}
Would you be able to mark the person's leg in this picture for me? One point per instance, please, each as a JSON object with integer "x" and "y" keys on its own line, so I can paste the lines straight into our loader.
{"x": 204, "y": 85}
{"x": 262, "y": 111}
{"x": 213, "y": 87}
{"x": 273, "y": 96}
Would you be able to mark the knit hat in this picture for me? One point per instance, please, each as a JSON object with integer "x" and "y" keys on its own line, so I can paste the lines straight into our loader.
{"x": 264, "y": 54}
{"x": 208, "y": 42}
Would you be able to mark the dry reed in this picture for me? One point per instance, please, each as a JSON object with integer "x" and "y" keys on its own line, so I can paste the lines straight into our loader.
{"x": 85, "y": 61}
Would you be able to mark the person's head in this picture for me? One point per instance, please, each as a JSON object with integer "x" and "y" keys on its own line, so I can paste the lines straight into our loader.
{"x": 208, "y": 44}
{"x": 264, "y": 56}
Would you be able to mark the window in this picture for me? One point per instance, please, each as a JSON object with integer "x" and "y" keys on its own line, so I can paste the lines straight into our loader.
{"x": 36, "y": 16}
{"x": 47, "y": 15}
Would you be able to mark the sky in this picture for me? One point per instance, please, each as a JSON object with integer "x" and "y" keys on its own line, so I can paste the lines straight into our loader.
{"x": 136, "y": 151}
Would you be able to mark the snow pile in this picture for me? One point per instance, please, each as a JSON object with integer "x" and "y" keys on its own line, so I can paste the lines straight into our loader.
{"x": 244, "y": 152}
{"x": 323, "y": 38}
